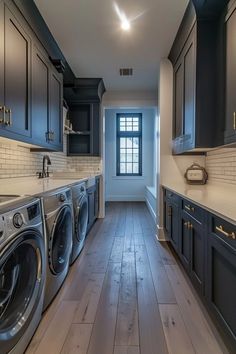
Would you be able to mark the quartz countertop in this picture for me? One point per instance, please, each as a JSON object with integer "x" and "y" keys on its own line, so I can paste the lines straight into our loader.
{"x": 217, "y": 198}
{"x": 32, "y": 186}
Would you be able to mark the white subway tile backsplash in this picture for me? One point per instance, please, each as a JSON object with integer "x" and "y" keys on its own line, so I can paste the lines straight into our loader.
{"x": 18, "y": 161}
{"x": 221, "y": 165}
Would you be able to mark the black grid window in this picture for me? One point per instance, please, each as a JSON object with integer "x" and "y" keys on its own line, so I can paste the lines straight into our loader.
{"x": 129, "y": 144}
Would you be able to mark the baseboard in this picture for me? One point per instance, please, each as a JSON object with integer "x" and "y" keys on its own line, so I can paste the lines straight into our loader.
{"x": 161, "y": 234}
{"x": 150, "y": 208}
{"x": 125, "y": 198}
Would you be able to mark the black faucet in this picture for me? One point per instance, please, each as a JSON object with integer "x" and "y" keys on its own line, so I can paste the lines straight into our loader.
{"x": 45, "y": 173}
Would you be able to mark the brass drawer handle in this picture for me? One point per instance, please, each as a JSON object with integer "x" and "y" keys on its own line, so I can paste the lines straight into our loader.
{"x": 189, "y": 208}
{"x": 225, "y": 233}
{"x": 234, "y": 121}
{"x": 188, "y": 225}
{"x": 2, "y": 119}
{"x": 8, "y": 122}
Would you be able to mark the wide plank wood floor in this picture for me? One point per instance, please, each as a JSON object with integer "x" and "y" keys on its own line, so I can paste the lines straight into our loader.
{"x": 126, "y": 294}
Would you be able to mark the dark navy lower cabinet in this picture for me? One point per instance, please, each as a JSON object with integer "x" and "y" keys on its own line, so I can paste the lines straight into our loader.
{"x": 191, "y": 252}
{"x": 221, "y": 276}
{"x": 171, "y": 217}
{"x": 206, "y": 246}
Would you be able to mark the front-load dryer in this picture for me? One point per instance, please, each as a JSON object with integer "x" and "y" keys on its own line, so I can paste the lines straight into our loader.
{"x": 22, "y": 273}
{"x": 80, "y": 206}
{"x": 58, "y": 216}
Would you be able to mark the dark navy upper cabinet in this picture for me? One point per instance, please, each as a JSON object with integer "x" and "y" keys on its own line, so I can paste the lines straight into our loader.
{"x": 83, "y": 98}
{"x": 40, "y": 97}
{"x": 230, "y": 119}
{"x": 55, "y": 108}
{"x": 15, "y": 75}
{"x": 31, "y": 90}
{"x": 195, "y": 80}
{"x": 184, "y": 96}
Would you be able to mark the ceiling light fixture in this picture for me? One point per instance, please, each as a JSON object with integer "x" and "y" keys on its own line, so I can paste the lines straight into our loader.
{"x": 125, "y": 23}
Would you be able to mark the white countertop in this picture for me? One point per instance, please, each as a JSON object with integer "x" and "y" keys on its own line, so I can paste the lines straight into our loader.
{"x": 219, "y": 199}
{"x": 33, "y": 186}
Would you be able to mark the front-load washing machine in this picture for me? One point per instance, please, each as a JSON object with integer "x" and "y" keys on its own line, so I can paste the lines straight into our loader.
{"x": 22, "y": 273}
{"x": 58, "y": 216}
{"x": 80, "y": 206}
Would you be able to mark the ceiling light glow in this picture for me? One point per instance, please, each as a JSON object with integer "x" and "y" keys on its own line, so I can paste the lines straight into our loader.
{"x": 125, "y": 23}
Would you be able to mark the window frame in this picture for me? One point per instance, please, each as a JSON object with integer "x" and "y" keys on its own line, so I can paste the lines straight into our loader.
{"x": 128, "y": 134}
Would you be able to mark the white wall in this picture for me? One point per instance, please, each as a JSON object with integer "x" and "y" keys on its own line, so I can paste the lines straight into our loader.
{"x": 120, "y": 188}
{"x": 171, "y": 168}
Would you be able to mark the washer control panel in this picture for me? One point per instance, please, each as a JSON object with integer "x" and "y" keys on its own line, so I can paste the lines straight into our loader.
{"x": 12, "y": 221}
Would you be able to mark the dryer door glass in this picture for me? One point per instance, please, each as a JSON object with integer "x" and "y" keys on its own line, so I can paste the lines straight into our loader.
{"x": 61, "y": 242}
{"x": 82, "y": 220}
{"x": 20, "y": 287}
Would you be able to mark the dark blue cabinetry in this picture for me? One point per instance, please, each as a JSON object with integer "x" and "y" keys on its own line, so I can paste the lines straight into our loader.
{"x": 30, "y": 88}
{"x": 206, "y": 246}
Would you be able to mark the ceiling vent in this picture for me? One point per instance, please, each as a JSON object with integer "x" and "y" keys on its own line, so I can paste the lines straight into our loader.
{"x": 126, "y": 72}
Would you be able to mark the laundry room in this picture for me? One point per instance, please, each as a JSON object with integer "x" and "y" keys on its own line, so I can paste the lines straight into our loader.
{"x": 117, "y": 177}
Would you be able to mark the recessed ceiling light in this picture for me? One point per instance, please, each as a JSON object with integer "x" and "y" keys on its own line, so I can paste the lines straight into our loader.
{"x": 125, "y": 25}
{"x": 124, "y": 22}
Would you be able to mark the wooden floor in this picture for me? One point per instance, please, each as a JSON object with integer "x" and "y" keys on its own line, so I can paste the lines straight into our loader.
{"x": 126, "y": 294}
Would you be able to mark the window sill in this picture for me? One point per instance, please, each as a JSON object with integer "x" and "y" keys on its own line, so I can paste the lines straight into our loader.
{"x": 128, "y": 177}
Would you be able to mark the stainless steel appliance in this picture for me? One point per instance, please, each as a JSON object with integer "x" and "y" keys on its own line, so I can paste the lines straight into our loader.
{"x": 22, "y": 271}
{"x": 58, "y": 229}
{"x": 80, "y": 206}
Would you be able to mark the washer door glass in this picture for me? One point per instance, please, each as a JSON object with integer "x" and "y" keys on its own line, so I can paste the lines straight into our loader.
{"x": 82, "y": 220}
{"x": 20, "y": 287}
{"x": 61, "y": 241}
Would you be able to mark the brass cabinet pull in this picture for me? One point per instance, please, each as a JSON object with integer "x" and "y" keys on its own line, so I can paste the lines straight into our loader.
{"x": 225, "y": 233}
{"x": 2, "y": 119}
{"x": 188, "y": 225}
{"x": 189, "y": 208}
{"x": 8, "y": 122}
{"x": 169, "y": 211}
{"x": 234, "y": 120}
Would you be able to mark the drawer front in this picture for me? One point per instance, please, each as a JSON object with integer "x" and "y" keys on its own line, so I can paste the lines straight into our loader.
{"x": 195, "y": 211}
{"x": 174, "y": 198}
{"x": 223, "y": 229}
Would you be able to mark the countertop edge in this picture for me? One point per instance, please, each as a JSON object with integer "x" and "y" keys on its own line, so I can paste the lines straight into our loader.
{"x": 201, "y": 205}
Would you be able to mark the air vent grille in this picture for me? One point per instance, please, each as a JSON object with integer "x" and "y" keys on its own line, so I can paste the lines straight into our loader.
{"x": 126, "y": 72}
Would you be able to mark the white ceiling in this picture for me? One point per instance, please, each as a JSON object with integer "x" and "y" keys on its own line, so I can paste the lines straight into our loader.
{"x": 90, "y": 37}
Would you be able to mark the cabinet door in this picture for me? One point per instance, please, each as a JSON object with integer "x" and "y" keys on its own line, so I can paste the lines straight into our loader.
{"x": 17, "y": 76}
{"x": 1, "y": 62}
{"x": 174, "y": 235}
{"x": 230, "y": 123}
{"x": 189, "y": 93}
{"x": 40, "y": 97}
{"x": 55, "y": 126}
{"x": 197, "y": 254}
{"x": 95, "y": 131}
{"x": 167, "y": 220}
{"x": 221, "y": 284}
{"x": 185, "y": 241}
{"x": 178, "y": 99}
